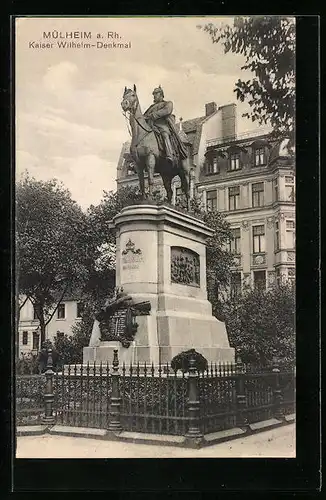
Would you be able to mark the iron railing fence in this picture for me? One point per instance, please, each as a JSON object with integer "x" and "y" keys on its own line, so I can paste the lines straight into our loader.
{"x": 82, "y": 395}
{"x": 29, "y": 399}
{"x": 287, "y": 382}
{"x": 153, "y": 400}
{"x": 156, "y": 399}
{"x": 218, "y": 398}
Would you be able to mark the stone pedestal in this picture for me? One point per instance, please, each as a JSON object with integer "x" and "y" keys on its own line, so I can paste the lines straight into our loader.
{"x": 161, "y": 257}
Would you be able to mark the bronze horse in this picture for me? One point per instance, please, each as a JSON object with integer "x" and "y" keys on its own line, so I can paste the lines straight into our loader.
{"x": 145, "y": 151}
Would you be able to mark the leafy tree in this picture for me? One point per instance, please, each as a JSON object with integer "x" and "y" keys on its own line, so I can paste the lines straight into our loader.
{"x": 55, "y": 249}
{"x": 268, "y": 46}
{"x": 260, "y": 322}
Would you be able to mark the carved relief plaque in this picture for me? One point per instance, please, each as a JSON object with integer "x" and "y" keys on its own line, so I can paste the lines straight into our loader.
{"x": 185, "y": 266}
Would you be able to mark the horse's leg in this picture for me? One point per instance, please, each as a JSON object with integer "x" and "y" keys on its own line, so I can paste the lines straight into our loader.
{"x": 185, "y": 181}
{"x": 140, "y": 172}
{"x": 150, "y": 163}
{"x": 167, "y": 181}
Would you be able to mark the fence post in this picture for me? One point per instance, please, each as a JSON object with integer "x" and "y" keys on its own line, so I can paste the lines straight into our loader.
{"x": 115, "y": 400}
{"x": 241, "y": 418}
{"x": 48, "y": 418}
{"x": 194, "y": 436}
{"x": 277, "y": 392}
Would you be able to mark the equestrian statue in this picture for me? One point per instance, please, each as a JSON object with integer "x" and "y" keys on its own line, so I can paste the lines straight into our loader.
{"x": 155, "y": 144}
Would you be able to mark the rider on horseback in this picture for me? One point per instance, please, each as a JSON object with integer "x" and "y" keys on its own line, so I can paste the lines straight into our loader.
{"x": 159, "y": 116}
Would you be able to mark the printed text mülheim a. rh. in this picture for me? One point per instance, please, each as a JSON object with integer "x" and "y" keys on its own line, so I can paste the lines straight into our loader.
{"x": 79, "y": 34}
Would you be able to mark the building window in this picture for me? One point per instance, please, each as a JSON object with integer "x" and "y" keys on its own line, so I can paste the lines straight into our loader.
{"x": 235, "y": 243}
{"x": 290, "y": 234}
{"x": 277, "y": 236}
{"x": 258, "y": 239}
{"x": 35, "y": 316}
{"x": 36, "y": 341}
{"x": 235, "y": 161}
{"x": 80, "y": 309}
{"x": 60, "y": 335}
{"x": 178, "y": 194}
{"x": 260, "y": 280}
{"x": 275, "y": 189}
{"x": 258, "y": 194}
{"x": 235, "y": 284}
{"x": 234, "y": 197}
{"x": 289, "y": 189}
{"x": 211, "y": 200}
{"x": 260, "y": 156}
{"x": 213, "y": 166}
{"x": 61, "y": 312}
{"x": 25, "y": 338}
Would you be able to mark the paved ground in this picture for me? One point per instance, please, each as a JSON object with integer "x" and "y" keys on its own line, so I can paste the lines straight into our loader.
{"x": 275, "y": 443}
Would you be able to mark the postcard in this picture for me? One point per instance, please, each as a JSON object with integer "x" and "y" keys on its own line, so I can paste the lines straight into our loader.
{"x": 155, "y": 236}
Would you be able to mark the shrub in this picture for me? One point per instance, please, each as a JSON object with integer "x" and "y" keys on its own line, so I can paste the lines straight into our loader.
{"x": 261, "y": 324}
{"x": 182, "y": 361}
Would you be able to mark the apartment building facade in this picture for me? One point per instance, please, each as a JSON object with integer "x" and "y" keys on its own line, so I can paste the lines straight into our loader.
{"x": 252, "y": 181}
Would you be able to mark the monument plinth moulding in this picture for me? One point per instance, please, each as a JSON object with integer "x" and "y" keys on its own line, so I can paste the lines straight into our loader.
{"x": 161, "y": 267}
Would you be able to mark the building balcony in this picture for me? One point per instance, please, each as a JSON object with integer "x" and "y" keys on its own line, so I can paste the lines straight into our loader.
{"x": 258, "y": 259}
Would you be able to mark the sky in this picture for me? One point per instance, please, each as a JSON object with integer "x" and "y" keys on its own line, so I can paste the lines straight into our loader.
{"x": 69, "y": 122}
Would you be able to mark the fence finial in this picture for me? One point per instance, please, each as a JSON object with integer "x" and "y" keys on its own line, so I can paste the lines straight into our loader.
{"x": 49, "y": 361}
{"x": 115, "y": 362}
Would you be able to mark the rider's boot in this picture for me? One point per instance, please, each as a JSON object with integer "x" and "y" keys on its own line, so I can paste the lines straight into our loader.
{"x": 168, "y": 146}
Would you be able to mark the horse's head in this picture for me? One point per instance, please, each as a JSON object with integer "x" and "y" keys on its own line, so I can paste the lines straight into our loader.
{"x": 129, "y": 100}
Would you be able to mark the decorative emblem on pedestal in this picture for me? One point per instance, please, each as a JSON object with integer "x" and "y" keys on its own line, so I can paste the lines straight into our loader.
{"x": 245, "y": 225}
{"x": 131, "y": 256}
{"x": 130, "y": 247}
{"x": 117, "y": 318}
{"x": 185, "y": 266}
